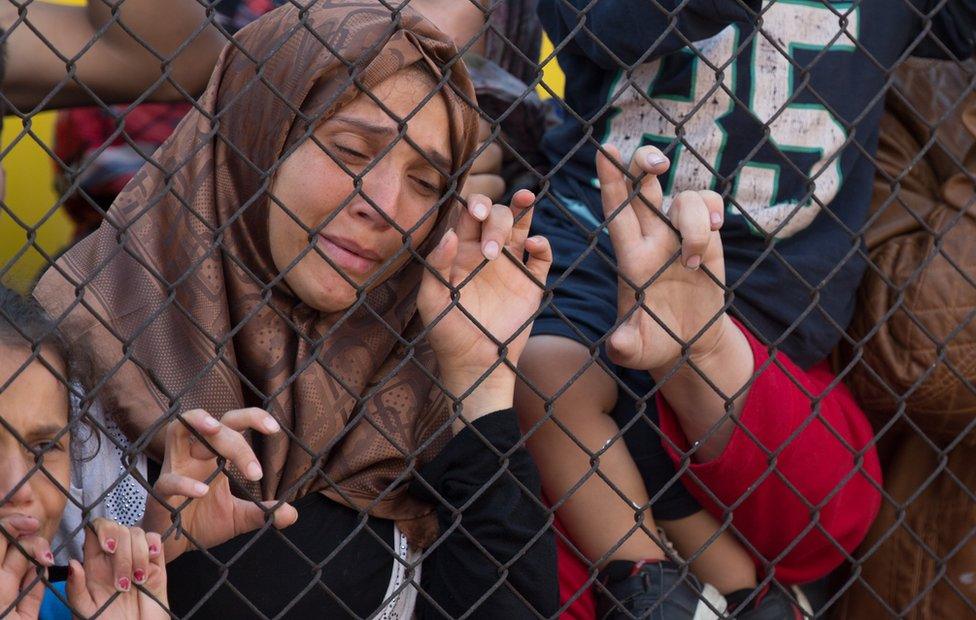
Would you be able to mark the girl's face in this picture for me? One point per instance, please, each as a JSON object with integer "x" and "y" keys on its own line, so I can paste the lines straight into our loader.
{"x": 400, "y": 190}
{"x": 32, "y": 466}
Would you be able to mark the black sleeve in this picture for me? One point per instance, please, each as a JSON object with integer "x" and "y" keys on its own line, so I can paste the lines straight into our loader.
{"x": 953, "y": 27}
{"x": 496, "y": 555}
{"x": 628, "y": 29}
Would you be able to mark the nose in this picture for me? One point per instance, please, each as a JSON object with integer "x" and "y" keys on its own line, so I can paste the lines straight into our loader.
{"x": 15, "y": 488}
{"x": 379, "y": 196}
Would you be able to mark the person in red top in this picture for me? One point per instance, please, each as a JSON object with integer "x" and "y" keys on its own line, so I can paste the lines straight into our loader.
{"x": 785, "y": 458}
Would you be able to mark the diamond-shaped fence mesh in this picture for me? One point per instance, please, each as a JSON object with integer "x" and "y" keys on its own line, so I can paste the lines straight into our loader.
{"x": 489, "y": 309}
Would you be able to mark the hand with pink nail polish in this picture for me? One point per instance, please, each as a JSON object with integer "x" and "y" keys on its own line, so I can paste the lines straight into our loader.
{"x": 500, "y": 274}
{"x": 194, "y": 484}
{"x": 21, "y": 590}
{"x": 124, "y": 572}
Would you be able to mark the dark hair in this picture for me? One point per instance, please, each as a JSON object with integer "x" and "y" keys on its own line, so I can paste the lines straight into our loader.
{"x": 23, "y": 323}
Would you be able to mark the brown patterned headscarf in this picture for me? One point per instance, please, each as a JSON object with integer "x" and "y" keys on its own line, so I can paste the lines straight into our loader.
{"x": 178, "y": 302}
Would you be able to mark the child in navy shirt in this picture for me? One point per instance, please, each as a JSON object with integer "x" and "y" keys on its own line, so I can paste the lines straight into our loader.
{"x": 772, "y": 129}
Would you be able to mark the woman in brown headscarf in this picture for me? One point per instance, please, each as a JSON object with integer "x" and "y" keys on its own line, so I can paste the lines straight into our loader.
{"x": 270, "y": 257}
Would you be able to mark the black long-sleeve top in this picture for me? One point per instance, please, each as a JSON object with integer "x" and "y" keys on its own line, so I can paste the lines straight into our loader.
{"x": 489, "y": 514}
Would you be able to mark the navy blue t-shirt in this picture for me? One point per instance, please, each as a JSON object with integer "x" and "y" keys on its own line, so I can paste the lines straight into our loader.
{"x": 782, "y": 120}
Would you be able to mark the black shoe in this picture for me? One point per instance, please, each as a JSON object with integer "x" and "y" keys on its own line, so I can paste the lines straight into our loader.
{"x": 655, "y": 591}
{"x": 774, "y": 603}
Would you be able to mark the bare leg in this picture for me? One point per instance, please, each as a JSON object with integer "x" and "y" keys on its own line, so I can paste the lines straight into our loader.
{"x": 601, "y": 515}
{"x": 722, "y": 562}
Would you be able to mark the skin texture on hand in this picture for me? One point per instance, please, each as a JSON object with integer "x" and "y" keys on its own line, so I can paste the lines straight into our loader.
{"x": 499, "y": 293}
{"x": 671, "y": 300}
{"x": 19, "y": 599}
{"x": 124, "y": 572}
{"x": 192, "y": 482}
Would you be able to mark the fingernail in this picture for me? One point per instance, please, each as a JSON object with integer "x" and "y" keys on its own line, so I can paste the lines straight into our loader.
{"x": 139, "y": 575}
{"x": 443, "y": 241}
{"x": 254, "y": 471}
{"x": 71, "y": 570}
{"x": 491, "y": 250}
{"x": 153, "y": 550}
{"x": 654, "y": 160}
{"x": 480, "y": 210}
{"x": 124, "y": 584}
{"x": 110, "y": 544}
{"x": 694, "y": 262}
{"x": 716, "y": 218}
{"x": 210, "y": 422}
{"x": 271, "y": 425}
{"x": 49, "y": 557}
{"x": 200, "y": 488}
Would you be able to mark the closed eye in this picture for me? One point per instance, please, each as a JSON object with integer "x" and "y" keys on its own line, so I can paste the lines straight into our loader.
{"x": 349, "y": 151}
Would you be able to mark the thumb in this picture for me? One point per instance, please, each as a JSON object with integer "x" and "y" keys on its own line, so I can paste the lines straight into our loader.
{"x": 440, "y": 262}
{"x": 79, "y": 599}
{"x": 30, "y": 605}
{"x": 250, "y": 516}
{"x": 441, "y": 258}
{"x": 624, "y": 346}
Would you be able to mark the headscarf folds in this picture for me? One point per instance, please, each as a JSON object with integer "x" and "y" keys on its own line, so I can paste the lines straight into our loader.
{"x": 177, "y": 300}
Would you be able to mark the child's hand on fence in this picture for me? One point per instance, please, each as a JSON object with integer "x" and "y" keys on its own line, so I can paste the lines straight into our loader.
{"x": 191, "y": 475}
{"x": 124, "y": 572}
{"x": 17, "y": 571}
{"x": 681, "y": 279}
{"x": 499, "y": 291}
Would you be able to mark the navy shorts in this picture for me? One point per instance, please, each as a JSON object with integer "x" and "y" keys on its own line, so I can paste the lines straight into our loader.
{"x": 584, "y": 308}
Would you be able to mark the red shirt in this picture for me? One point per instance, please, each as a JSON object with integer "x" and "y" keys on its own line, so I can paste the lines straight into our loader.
{"x": 799, "y": 478}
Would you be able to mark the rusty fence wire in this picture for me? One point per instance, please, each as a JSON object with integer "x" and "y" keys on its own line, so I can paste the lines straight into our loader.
{"x": 839, "y": 139}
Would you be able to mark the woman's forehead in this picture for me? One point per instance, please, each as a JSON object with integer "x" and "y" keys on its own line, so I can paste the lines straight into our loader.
{"x": 405, "y": 96}
{"x": 33, "y": 396}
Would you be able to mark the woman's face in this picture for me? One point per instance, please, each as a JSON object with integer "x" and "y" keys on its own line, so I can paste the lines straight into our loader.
{"x": 35, "y": 406}
{"x": 400, "y": 191}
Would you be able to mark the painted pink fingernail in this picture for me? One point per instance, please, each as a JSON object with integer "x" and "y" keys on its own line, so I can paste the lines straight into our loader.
{"x": 49, "y": 556}
{"x": 139, "y": 575}
{"x": 153, "y": 550}
{"x": 110, "y": 544}
{"x": 124, "y": 584}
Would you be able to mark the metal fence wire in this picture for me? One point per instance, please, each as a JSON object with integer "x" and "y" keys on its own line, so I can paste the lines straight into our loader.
{"x": 748, "y": 390}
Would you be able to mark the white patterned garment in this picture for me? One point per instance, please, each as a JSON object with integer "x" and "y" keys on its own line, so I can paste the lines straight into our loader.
{"x": 402, "y": 599}
{"x": 100, "y": 468}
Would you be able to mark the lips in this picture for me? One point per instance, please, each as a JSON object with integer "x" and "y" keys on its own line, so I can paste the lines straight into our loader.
{"x": 348, "y": 254}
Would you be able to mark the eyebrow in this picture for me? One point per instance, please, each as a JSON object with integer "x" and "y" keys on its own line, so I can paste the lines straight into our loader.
{"x": 391, "y": 133}
{"x": 47, "y": 430}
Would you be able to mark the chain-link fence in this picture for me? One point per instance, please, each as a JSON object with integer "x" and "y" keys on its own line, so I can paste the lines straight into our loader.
{"x": 490, "y": 308}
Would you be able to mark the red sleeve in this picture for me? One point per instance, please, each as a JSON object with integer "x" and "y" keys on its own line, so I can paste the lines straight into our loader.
{"x": 800, "y": 474}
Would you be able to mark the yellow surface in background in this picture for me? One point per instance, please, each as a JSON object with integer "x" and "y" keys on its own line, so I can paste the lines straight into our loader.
{"x": 552, "y": 75}
{"x": 31, "y": 196}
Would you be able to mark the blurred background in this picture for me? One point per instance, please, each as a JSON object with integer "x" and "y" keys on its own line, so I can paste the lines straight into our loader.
{"x": 31, "y": 193}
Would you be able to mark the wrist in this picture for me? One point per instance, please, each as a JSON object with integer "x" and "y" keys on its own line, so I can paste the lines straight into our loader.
{"x": 481, "y": 394}
{"x": 722, "y": 351}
